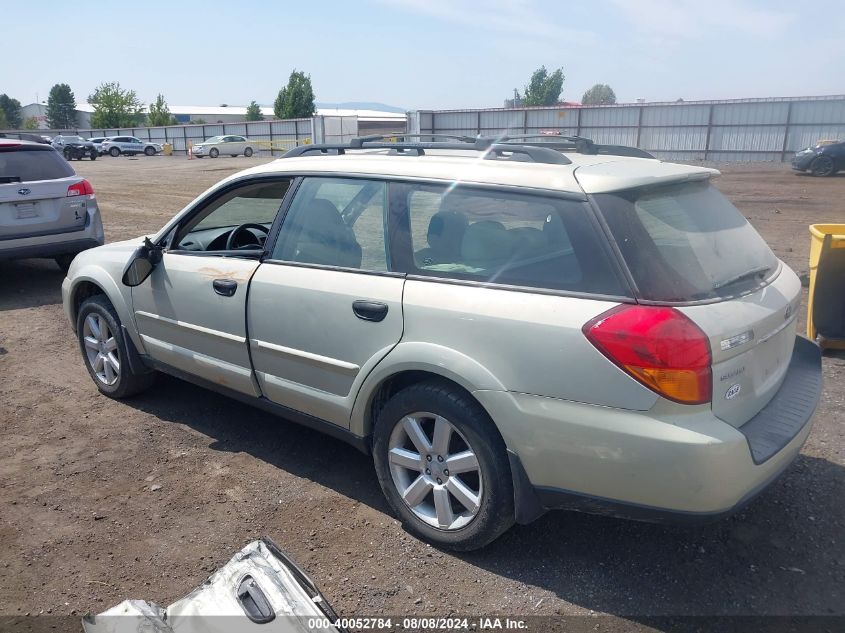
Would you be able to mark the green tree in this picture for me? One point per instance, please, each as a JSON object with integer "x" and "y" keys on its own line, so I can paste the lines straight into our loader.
{"x": 3, "y": 123}
{"x": 296, "y": 100}
{"x": 115, "y": 107}
{"x": 600, "y": 94}
{"x": 543, "y": 89}
{"x": 31, "y": 123}
{"x": 61, "y": 108}
{"x": 12, "y": 110}
{"x": 159, "y": 113}
{"x": 253, "y": 112}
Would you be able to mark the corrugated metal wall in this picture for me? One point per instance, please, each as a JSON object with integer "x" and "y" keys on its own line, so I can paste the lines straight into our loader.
{"x": 737, "y": 130}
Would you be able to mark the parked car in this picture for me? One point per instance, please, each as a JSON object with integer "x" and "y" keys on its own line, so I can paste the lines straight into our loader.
{"x": 505, "y": 327}
{"x": 74, "y": 147}
{"x": 46, "y": 210}
{"x": 821, "y": 160}
{"x": 98, "y": 143}
{"x": 129, "y": 145}
{"x": 229, "y": 144}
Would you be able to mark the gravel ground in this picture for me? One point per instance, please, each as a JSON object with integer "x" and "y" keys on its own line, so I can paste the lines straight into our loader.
{"x": 103, "y": 500}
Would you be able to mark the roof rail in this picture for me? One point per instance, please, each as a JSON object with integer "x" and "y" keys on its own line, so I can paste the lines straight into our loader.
{"x": 580, "y": 144}
{"x": 491, "y": 151}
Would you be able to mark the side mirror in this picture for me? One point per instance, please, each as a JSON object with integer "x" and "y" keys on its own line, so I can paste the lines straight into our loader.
{"x": 142, "y": 263}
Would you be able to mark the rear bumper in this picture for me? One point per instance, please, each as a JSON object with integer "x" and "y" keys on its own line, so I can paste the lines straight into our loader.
{"x": 54, "y": 244}
{"x": 649, "y": 466}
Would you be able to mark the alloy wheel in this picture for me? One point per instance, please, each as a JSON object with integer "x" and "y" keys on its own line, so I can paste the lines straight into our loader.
{"x": 101, "y": 349}
{"x": 435, "y": 470}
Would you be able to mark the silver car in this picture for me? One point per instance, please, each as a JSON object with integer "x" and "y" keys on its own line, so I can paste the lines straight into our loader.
{"x": 46, "y": 210}
{"x": 230, "y": 144}
{"x": 506, "y": 328}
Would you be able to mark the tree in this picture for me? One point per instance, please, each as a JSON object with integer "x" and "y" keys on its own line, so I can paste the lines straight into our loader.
{"x": 12, "y": 110}
{"x": 31, "y": 123}
{"x": 115, "y": 107}
{"x": 61, "y": 108}
{"x": 296, "y": 100}
{"x": 3, "y": 123}
{"x": 159, "y": 113}
{"x": 253, "y": 112}
{"x": 543, "y": 89}
{"x": 600, "y": 94}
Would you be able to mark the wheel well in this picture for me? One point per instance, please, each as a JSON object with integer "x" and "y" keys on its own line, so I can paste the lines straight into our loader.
{"x": 395, "y": 383}
{"x": 82, "y": 291}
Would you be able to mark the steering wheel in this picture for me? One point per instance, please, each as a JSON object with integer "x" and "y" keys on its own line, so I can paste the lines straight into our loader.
{"x": 232, "y": 239}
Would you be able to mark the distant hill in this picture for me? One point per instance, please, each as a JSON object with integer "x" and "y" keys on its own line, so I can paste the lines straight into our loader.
{"x": 361, "y": 105}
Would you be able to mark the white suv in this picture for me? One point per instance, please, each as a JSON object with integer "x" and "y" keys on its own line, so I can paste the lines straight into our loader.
{"x": 507, "y": 328}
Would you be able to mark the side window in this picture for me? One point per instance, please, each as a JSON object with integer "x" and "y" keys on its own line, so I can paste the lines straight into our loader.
{"x": 501, "y": 237}
{"x": 254, "y": 204}
{"x": 336, "y": 222}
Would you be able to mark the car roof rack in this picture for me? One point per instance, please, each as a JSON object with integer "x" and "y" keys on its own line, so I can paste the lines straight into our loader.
{"x": 539, "y": 148}
{"x": 492, "y": 150}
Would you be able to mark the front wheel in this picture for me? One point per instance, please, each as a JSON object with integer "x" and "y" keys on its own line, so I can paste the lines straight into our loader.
{"x": 214, "y": 152}
{"x": 104, "y": 352}
{"x": 114, "y": 151}
{"x": 93, "y": 156}
{"x": 823, "y": 166}
{"x": 149, "y": 151}
{"x": 248, "y": 152}
{"x": 443, "y": 466}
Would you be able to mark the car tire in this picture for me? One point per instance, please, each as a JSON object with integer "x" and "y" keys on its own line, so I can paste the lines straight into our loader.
{"x": 823, "y": 166}
{"x": 93, "y": 156}
{"x": 233, "y": 155}
{"x": 214, "y": 152}
{"x": 248, "y": 152}
{"x": 114, "y": 151}
{"x": 149, "y": 151}
{"x": 63, "y": 261}
{"x": 68, "y": 155}
{"x": 119, "y": 382}
{"x": 485, "y": 478}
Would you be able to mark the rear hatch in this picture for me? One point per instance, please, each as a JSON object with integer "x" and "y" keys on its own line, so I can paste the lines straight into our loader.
{"x": 686, "y": 245}
{"x": 37, "y": 193}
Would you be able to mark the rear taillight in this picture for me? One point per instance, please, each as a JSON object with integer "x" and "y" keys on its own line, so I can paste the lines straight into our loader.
{"x": 660, "y": 347}
{"x": 82, "y": 188}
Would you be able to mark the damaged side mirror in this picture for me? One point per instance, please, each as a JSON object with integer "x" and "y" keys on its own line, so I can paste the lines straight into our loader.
{"x": 141, "y": 264}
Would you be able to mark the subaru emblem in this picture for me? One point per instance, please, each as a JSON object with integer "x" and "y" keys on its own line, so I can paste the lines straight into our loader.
{"x": 24, "y": 191}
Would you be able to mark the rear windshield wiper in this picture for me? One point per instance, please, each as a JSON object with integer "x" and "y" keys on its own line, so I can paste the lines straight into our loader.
{"x": 7, "y": 179}
{"x": 748, "y": 274}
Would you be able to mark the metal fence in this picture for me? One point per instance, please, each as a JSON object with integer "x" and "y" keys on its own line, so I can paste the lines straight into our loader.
{"x": 722, "y": 131}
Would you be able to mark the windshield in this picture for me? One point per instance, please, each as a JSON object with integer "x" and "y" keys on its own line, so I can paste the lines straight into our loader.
{"x": 686, "y": 242}
{"x": 214, "y": 139}
{"x": 73, "y": 139}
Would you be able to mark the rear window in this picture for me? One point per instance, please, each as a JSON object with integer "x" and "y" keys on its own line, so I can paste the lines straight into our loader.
{"x": 500, "y": 237}
{"x": 25, "y": 165}
{"x": 686, "y": 242}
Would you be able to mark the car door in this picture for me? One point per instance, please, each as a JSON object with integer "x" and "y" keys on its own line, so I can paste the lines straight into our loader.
{"x": 234, "y": 145}
{"x": 325, "y": 307}
{"x": 137, "y": 145}
{"x": 191, "y": 310}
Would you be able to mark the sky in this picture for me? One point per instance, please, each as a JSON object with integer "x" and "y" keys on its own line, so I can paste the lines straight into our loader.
{"x": 424, "y": 54}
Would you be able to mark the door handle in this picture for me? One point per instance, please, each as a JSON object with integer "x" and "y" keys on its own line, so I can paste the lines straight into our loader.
{"x": 253, "y": 601}
{"x": 225, "y": 287}
{"x": 369, "y": 310}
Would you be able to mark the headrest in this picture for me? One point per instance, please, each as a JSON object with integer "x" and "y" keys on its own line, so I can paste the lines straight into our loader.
{"x": 486, "y": 244}
{"x": 446, "y": 231}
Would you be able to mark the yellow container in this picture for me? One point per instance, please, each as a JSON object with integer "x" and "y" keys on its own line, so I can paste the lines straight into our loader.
{"x": 818, "y": 233}
{"x": 167, "y": 149}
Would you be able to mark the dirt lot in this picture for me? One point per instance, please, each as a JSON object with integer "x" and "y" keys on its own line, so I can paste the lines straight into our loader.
{"x": 82, "y": 529}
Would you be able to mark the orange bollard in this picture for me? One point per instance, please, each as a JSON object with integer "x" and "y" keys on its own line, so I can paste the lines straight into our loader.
{"x": 190, "y": 150}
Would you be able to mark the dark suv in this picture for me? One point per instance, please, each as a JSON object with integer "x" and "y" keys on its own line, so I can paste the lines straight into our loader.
{"x": 75, "y": 147}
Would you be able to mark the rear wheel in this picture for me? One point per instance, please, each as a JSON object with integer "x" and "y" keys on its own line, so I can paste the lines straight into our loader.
{"x": 103, "y": 350}
{"x": 443, "y": 466}
{"x": 823, "y": 166}
{"x": 214, "y": 152}
{"x": 248, "y": 152}
{"x": 68, "y": 154}
{"x": 114, "y": 151}
{"x": 93, "y": 156}
{"x": 149, "y": 151}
